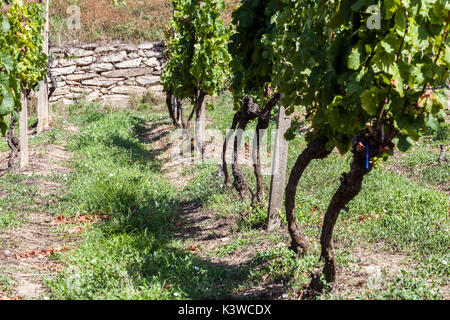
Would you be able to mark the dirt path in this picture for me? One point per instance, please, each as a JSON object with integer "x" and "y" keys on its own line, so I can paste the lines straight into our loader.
{"x": 25, "y": 251}
{"x": 204, "y": 231}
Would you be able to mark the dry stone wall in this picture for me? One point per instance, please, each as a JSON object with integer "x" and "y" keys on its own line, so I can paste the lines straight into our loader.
{"x": 109, "y": 73}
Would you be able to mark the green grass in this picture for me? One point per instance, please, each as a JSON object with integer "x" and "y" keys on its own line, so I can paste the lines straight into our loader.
{"x": 412, "y": 215}
{"x": 16, "y": 197}
{"x": 6, "y": 282}
{"x": 421, "y": 162}
{"x": 135, "y": 255}
{"x": 407, "y": 286}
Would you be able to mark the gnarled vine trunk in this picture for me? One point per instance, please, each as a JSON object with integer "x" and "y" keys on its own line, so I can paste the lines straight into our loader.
{"x": 170, "y": 107}
{"x": 350, "y": 187}
{"x": 200, "y": 121}
{"x": 229, "y": 135}
{"x": 261, "y": 128}
{"x": 365, "y": 147}
{"x": 249, "y": 111}
{"x": 180, "y": 114}
{"x": 315, "y": 150}
{"x": 176, "y": 111}
{"x": 49, "y": 74}
{"x": 13, "y": 143}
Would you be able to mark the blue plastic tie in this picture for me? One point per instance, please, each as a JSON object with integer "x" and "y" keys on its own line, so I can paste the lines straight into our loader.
{"x": 367, "y": 154}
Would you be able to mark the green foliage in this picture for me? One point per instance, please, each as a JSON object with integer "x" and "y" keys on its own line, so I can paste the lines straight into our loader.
{"x": 347, "y": 75}
{"x": 22, "y": 63}
{"x": 252, "y": 53}
{"x": 198, "y": 55}
{"x": 255, "y": 219}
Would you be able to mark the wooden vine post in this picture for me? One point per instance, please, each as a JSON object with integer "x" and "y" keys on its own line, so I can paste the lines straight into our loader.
{"x": 23, "y": 131}
{"x": 43, "y": 111}
{"x": 279, "y": 166}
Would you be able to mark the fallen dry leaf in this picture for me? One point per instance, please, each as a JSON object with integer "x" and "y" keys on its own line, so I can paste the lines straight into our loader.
{"x": 179, "y": 223}
{"x": 53, "y": 267}
{"x": 193, "y": 248}
{"x": 76, "y": 230}
{"x": 33, "y": 253}
{"x": 80, "y": 218}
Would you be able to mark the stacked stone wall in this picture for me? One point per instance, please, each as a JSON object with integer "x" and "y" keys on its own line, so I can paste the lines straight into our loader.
{"x": 107, "y": 73}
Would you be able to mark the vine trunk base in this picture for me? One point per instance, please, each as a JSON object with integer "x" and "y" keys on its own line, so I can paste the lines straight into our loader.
{"x": 315, "y": 150}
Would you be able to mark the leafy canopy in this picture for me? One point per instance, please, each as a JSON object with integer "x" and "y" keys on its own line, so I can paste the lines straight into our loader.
{"x": 252, "y": 53}
{"x": 22, "y": 62}
{"x": 198, "y": 55}
{"x": 347, "y": 75}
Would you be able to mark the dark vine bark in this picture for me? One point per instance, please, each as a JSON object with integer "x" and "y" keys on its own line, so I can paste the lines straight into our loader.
{"x": 349, "y": 188}
{"x": 191, "y": 116}
{"x": 52, "y": 89}
{"x": 13, "y": 143}
{"x": 315, "y": 150}
{"x": 170, "y": 107}
{"x": 229, "y": 135}
{"x": 249, "y": 111}
{"x": 261, "y": 128}
{"x": 176, "y": 111}
{"x": 180, "y": 114}
{"x": 200, "y": 121}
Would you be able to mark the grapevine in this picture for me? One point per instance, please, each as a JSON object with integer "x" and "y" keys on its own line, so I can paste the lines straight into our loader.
{"x": 365, "y": 91}
{"x": 251, "y": 87}
{"x": 22, "y": 62}
{"x": 198, "y": 57}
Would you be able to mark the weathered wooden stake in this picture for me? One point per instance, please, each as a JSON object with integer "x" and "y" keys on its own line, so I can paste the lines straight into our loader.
{"x": 42, "y": 108}
{"x": 43, "y": 112}
{"x": 279, "y": 165}
{"x": 200, "y": 123}
{"x": 23, "y": 131}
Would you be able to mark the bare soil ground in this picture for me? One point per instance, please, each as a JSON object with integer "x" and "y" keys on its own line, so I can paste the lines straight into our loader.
{"x": 205, "y": 231}
{"x": 25, "y": 251}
